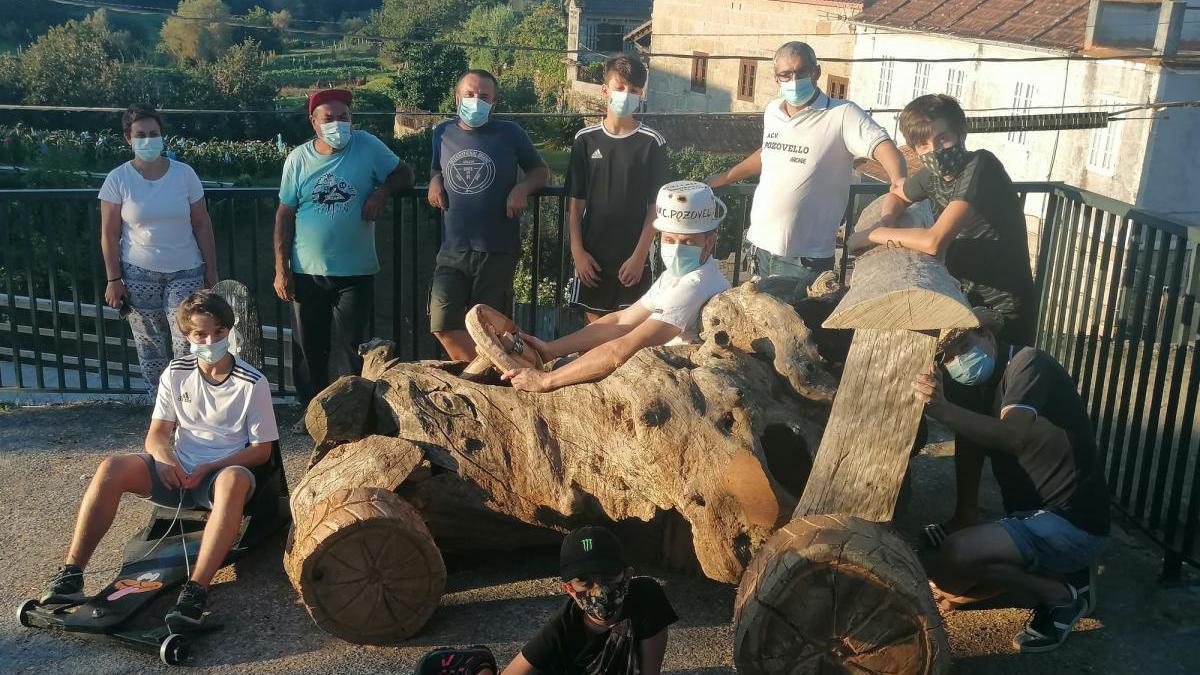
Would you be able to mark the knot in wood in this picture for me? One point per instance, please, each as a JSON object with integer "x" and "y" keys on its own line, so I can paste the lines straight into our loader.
{"x": 656, "y": 415}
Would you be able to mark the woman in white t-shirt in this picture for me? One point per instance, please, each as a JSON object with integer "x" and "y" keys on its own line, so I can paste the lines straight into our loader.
{"x": 157, "y": 240}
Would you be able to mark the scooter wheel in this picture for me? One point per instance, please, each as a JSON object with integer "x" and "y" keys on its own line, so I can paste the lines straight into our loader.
{"x": 175, "y": 650}
{"x": 23, "y": 612}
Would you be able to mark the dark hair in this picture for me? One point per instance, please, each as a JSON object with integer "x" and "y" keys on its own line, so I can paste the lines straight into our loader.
{"x": 480, "y": 72}
{"x": 207, "y": 303}
{"x": 917, "y": 118}
{"x": 631, "y": 70}
{"x": 139, "y": 111}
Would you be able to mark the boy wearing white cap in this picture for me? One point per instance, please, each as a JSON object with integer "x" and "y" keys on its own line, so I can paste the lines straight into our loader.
{"x": 687, "y": 216}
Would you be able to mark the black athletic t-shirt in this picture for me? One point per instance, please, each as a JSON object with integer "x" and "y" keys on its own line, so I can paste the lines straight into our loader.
{"x": 990, "y": 256}
{"x": 565, "y": 646}
{"x": 619, "y": 178}
{"x": 1058, "y": 469}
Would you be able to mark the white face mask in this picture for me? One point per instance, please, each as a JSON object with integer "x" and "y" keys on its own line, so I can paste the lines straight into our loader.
{"x": 147, "y": 149}
{"x": 336, "y": 134}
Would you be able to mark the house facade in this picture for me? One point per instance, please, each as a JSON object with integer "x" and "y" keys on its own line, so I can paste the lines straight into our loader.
{"x": 1148, "y": 158}
{"x": 598, "y": 29}
{"x": 753, "y": 28}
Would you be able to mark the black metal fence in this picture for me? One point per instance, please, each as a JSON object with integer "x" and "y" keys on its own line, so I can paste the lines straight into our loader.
{"x": 1117, "y": 291}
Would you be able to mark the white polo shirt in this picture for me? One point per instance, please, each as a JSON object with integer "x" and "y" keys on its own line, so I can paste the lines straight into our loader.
{"x": 805, "y": 182}
{"x": 678, "y": 300}
{"x": 213, "y": 421}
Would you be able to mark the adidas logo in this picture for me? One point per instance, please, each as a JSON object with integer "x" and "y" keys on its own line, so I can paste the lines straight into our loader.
{"x": 597, "y": 155}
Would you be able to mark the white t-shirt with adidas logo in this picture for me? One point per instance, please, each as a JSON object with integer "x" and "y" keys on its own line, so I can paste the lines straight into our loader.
{"x": 213, "y": 421}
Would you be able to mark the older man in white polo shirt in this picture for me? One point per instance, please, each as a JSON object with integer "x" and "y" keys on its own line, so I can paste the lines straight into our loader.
{"x": 810, "y": 142}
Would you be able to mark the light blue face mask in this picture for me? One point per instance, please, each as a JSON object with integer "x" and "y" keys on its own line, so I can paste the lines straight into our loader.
{"x": 973, "y": 367}
{"x": 211, "y": 353}
{"x": 798, "y": 91}
{"x": 623, "y": 103}
{"x": 680, "y": 259}
{"x": 474, "y": 112}
{"x": 147, "y": 149}
{"x": 337, "y": 134}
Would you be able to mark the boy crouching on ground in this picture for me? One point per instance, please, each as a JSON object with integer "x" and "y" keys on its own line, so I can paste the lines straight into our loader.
{"x": 219, "y": 408}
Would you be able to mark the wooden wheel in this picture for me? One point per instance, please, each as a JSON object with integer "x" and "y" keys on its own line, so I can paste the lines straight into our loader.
{"x": 497, "y": 340}
{"x": 366, "y": 566}
{"x": 837, "y": 594}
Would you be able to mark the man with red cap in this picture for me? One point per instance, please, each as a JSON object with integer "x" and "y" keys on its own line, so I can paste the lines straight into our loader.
{"x": 333, "y": 189}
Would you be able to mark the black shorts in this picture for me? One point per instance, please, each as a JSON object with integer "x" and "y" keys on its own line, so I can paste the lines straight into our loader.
{"x": 609, "y": 294}
{"x": 463, "y": 279}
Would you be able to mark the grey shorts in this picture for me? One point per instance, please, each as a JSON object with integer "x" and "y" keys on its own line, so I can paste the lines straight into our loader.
{"x": 197, "y": 497}
{"x": 1050, "y": 543}
{"x": 463, "y": 279}
{"x": 762, "y": 263}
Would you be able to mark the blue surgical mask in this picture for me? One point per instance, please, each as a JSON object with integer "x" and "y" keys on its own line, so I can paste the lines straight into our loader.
{"x": 337, "y": 134}
{"x": 474, "y": 112}
{"x": 212, "y": 353}
{"x": 798, "y": 91}
{"x": 623, "y": 103}
{"x": 680, "y": 259}
{"x": 147, "y": 149}
{"x": 973, "y": 367}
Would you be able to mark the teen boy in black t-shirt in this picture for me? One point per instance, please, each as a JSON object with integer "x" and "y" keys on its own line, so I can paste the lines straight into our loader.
{"x": 616, "y": 169}
{"x": 614, "y": 623}
{"x": 1039, "y": 439}
{"x": 980, "y": 224}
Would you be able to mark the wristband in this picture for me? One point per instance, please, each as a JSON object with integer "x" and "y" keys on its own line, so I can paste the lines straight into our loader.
{"x": 117, "y": 279}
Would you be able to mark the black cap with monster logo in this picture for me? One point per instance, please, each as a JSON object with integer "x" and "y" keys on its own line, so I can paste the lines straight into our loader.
{"x": 590, "y": 551}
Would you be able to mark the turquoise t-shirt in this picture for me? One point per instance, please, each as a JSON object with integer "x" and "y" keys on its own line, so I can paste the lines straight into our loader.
{"x": 328, "y": 193}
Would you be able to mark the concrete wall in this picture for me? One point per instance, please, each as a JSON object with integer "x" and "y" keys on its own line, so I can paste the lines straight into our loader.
{"x": 1045, "y": 155}
{"x": 1172, "y": 162}
{"x": 741, "y": 27}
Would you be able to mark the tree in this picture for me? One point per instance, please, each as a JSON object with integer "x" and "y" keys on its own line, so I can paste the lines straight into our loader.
{"x": 426, "y": 81}
{"x": 73, "y": 64}
{"x": 543, "y": 27}
{"x": 12, "y": 89}
{"x": 199, "y": 33}
{"x": 281, "y": 20}
{"x": 401, "y": 20}
{"x": 489, "y": 25}
{"x": 264, "y": 32}
{"x": 239, "y": 77}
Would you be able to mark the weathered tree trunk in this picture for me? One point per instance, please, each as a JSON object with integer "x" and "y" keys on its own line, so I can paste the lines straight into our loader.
{"x": 832, "y": 594}
{"x": 365, "y": 566}
{"x": 837, "y": 592}
{"x": 375, "y": 461}
{"x": 340, "y": 413}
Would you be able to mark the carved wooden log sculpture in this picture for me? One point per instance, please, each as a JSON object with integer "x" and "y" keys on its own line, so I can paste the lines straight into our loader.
{"x": 840, "y": 592}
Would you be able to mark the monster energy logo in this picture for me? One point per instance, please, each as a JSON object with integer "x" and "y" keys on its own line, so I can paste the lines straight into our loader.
{"x": 587, "y": 545}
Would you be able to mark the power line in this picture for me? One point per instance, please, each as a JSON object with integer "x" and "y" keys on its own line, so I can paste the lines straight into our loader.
{"x": 564, "y": 51}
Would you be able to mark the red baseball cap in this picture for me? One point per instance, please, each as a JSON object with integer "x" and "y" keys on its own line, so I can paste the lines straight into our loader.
{"x": 327, "y": 95}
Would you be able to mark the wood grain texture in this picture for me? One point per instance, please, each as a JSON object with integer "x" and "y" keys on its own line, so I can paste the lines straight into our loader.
{"x": 865, "y": 449}
{"x": 837, "y": 594}
{"x": 901, "y": 289}
{"x": 341, "y": 412}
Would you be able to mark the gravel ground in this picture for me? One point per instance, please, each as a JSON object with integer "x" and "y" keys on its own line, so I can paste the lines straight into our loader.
{"x": 47, "y": 455}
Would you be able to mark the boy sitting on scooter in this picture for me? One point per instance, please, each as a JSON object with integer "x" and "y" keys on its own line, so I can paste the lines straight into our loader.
{"x": 219, "y": 408}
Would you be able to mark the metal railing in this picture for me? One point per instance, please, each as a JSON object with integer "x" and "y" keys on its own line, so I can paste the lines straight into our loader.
{"x": 1117, "y": 307}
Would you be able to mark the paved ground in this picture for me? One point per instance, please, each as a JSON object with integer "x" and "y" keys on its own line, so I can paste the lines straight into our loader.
{"x": 47, "y": 455}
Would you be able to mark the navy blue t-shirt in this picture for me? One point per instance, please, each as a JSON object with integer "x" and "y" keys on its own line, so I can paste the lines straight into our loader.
{"x": 479, "y": 169}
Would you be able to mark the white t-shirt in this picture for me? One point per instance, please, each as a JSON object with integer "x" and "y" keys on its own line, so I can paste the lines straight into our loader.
{"x": 678, "y": 300}
{"x": 805, "y": 182}
{"x": 156, "y": 215}
{"x": 213, "y": 421}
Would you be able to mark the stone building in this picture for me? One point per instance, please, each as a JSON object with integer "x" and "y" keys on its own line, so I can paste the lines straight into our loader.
{"x": 598, "y": 27}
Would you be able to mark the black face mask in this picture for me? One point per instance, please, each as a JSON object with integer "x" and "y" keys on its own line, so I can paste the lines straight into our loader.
{"x": 946, "y": 161}
{"x": 604, "y": 602}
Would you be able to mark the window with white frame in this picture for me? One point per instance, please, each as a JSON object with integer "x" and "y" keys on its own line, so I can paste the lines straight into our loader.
{"x": 954, "y": 83}
{"x": 1021, "y": 102}
{"x": 1105, "y": 141}
{"x": 886, "y": 70}
{"x": 921, "y": 80}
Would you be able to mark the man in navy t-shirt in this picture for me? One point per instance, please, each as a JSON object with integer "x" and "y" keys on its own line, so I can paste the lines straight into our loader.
{"x": 475, "y": 180}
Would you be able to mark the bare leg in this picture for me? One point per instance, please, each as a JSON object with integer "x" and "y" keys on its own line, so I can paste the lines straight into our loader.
{"x": 457, "y": 343}
{"x": 229, "y": 496}
{"x": 592, "y": 317}
{"x": 983, "y": 558}
{"x": 114, "y": 477}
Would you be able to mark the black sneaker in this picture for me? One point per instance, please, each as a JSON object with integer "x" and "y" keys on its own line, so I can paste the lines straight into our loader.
{"x": 1048, "y": 627}
{"x": 65, "y": 586}
{"x": 188, "y": 613}
{"x": 1084, "y": 583}
{"x": 450, "y": 661}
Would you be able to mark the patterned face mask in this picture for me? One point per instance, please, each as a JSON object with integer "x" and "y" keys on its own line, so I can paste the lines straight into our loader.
{"x": 601, "y": 602}
{"x": 946, "y": 161}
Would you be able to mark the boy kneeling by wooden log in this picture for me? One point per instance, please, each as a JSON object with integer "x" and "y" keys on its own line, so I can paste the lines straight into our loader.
{"x": 614, "y": 623}
{"x": 1043, "y": 454}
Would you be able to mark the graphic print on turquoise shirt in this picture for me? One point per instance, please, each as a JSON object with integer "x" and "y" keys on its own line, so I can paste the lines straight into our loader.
{"x": 328, "y": 193}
